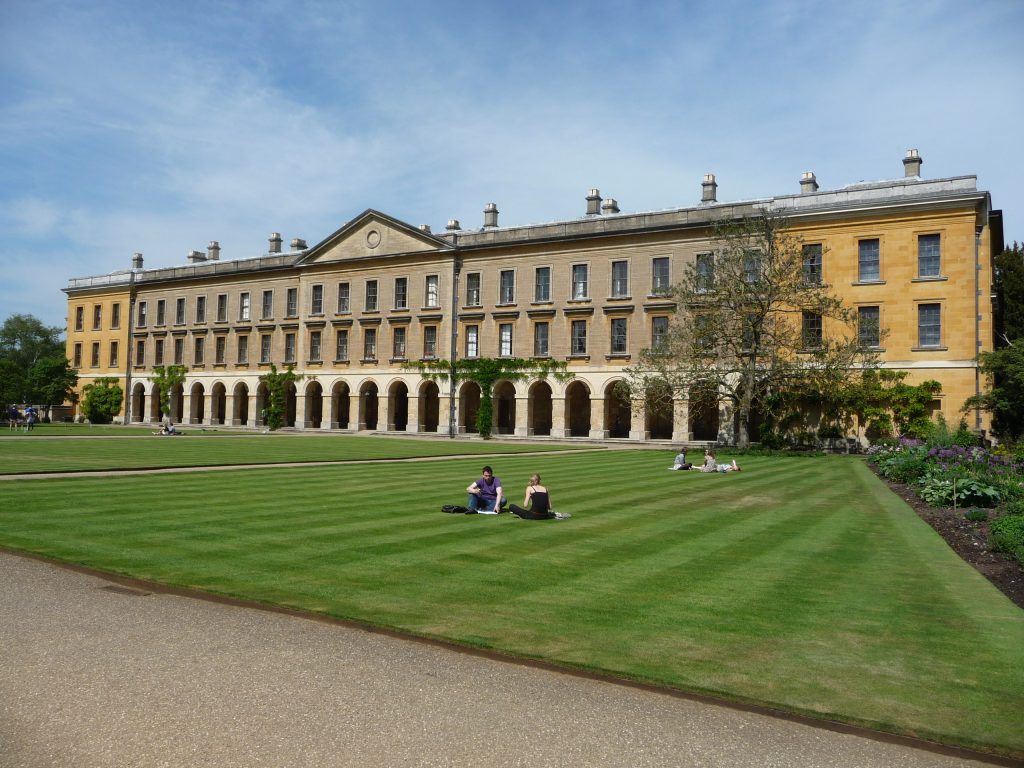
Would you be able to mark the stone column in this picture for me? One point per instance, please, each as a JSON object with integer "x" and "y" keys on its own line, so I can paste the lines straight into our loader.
{"x": 186, "y": 409}
{"x": 383, "y": 417}
{"x": 559, "y": 428}
{"x": 443, "y": 406}
{"x": 638, "y": 424}
{"x": 681, "y": 421}
{"x": 412, "y": 424}
{"x": 229, "y": 410}
{"x": 598, "y": 429}
{"x": 522, "y": 428}
{"x": 208, "y": 409}
{"x": 301, "y": 422}
{"x": 327, "y": 422}
{"x": 254, "y": 418}
{"x": 726, "y": 434}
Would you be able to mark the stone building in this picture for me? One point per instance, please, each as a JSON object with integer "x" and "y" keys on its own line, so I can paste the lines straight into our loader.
{"x": 911, "y": 255}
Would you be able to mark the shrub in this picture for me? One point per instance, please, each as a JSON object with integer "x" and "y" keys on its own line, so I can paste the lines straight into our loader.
{"x": 942, "y": 490}
{"x": 1008, "y": 534}
{"x": 976, "y": 515}
{"x": 1015, "y": 507}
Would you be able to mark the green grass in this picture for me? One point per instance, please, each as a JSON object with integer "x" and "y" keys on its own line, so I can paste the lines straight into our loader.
{"x": 195, "y": 450}
{"x": 801, "y": 584}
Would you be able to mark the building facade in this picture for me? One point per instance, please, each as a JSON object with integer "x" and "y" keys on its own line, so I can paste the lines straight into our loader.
{"x": 911, "y": 256}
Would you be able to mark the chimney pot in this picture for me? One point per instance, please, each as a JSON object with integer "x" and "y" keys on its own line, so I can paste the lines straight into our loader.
{"x": 213, "y": 251}
{"x": 594, "y": 203}
{"x": 298, "y": 244}
{"x": 609, "y": 206}
{"x": 912, "y": 163}
{"x": 453, "y": 225}
{"x": 137, "y": 261}
{"x": 709, "y": 189}
{"x": 491, "y": 215}
{"x": 808, "y": 183}
{"x": 275, "y": 242}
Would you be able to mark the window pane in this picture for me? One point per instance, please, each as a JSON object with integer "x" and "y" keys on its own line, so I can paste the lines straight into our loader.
{"x": 868, "y": 330}
{"x": 868, "y": 260}
{"x": 265, "y": 348}
{"x": 199, "y": 351}
{"x": 433, "y": 295}
{"x": 343, "y": 298}
{"x": 222, "y": 308}
{"x": 659, "y": 331}
{"x": 292, "y": 302}
{"x": 268, "y": 304}
{"x": 619, "y": 338}
{"x": 341, "y": 346}
{"x": 928, "y": 256}
{"x": 398, "y": 342}
{"x": 620, "y": 279}
{"x": 659, "y": 275}
{"x": 812, "y": 264}
{"x": 579, "y": 337}
{"x": 540, "y": 339}
{"x": 472, "y": 341}
{"x": 929, "y": 325}
{"x": 243, "y": 307}
{"x": 507, "y": 290}
{"x": 811, "y": 330}
{"x": 289, "y": 347}
{"x": 430, "y": 341}
{"x": 371, "y": 296}
{"x": 370, "y": 344}
{"x": 505, "y": 339}
{"x": 401, "y": 292}
{"x": 200, "y": 309}
{"x": 314, "y": 345}
{"x": 243, "y": 350}
{"x": 473, "y": 289}
{"x": 316, "y": 303}
{"x": 705, "y": 277}
{"x": 580, "y": 289}
{"x": 179, "y": 312}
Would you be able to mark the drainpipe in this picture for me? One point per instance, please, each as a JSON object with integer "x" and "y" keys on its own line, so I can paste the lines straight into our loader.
{"x": 452, "y": 373}
{"x": 977, "y": 325}
{"x": 128, "y": 352}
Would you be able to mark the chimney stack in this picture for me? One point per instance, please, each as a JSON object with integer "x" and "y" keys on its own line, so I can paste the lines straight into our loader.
{"x": 808, "y": 183}
{"x": 594, "y": 203}
{"x": 298, "y": 244}
{"x": 912, "y": 164}
{"x": 425, "y": 228}
{"x": 453, "y": 225}
{"x": 609, "y": 206}
{"x": 137, "y": 261}
{"x": 213, "y": 251}
{"x": 194, "y": 257}
{"x": 490, "y": 215}
{"x": 709, "y": 189}
{"x": 275, "y": 242}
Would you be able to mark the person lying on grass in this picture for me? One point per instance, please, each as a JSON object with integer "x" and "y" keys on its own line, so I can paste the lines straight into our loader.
{"x": 710, "y": 465}
{"x": 485, "y": 494}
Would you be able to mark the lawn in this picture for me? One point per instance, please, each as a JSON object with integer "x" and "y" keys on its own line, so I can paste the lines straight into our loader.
{"x": 803, "y": 584}
{"x": 123, "y": 451}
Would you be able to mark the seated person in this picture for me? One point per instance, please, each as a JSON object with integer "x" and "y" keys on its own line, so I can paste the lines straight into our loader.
{"x": 536, "y": 504}
{"x": 710, "y": 465}
{"x": 485, "y": 494}
{"x": 680, "y": 461}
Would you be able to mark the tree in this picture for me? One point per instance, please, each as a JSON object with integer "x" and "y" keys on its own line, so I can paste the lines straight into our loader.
{"x": 277, "y": 384}
{"x": 52, "y": 381}
{"x": 101, "y": 400}
{"x": 1005, "y": 400}
{"x": 167, "y": 377}
{"x": 25, "y": 343}
{"x": 1009, "y": 287}
{"x": 486, "y": 372}
{"x": 750, "y": 324}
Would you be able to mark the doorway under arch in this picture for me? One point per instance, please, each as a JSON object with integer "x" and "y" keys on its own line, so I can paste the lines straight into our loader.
{"x": 618, "y": 412}
{"x": 429, "y": 407}
{"x": 538, "y": 409}
{"x": 577, "y": 408}
{"x": 398, "y": 406}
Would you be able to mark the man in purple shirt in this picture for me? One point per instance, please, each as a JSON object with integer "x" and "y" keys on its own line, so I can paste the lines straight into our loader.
{"x": 485, "y": 495}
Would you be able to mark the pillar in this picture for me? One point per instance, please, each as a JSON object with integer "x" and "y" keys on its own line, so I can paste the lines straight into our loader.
{"x": 598, "y": 429}
{"x": 681, "y": 421}
{"x": 558, "y": 425}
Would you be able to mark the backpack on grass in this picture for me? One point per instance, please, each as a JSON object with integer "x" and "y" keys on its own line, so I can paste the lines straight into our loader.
{"x": 454, "y": 509}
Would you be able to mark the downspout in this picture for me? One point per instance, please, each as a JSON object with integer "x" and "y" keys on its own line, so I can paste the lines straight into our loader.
{"x": 128, "y": 351}
{"x": 977, "y": 328}
{"x": 452, "y": 373}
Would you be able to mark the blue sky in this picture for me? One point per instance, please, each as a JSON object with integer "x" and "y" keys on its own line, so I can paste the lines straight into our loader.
{"x": 157, "y": 127}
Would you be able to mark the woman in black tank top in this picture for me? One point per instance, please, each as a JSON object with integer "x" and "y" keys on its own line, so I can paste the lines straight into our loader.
{"x": 536, "y": 504}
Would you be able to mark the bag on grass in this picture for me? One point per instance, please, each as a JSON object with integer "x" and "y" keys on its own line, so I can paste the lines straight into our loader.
{"x": 454, "y": 509}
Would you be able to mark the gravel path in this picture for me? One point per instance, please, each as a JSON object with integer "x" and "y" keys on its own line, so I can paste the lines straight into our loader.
{"x": 95, "y": 674}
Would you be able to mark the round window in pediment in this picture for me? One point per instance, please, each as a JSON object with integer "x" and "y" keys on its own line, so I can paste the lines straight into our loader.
{"x": 373, "y": 238}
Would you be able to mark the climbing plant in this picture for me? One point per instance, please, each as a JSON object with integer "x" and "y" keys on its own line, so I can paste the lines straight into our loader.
{"x": 166, "y": 377}
{"x": 277, "y": 384}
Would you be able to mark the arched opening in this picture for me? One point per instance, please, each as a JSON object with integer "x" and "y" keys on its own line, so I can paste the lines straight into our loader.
{"x": 398, "y": 406}
{"x": 139, "y": 402}
{"x": 469, "y": 406}
{"x": 218, "y": 403}
{"x": 538, "y": 409}
{"x": 704, "y": 413}
{"x": 240, "y": 405}
{"x": 659, "y": 410}
{"x": 314, "y": 415}
{"x": 197, "y": 404}
{"x": 368, "y": 402}
{"x": 577, "y": 407}
{"x": 340, "y": 405}
{"x": 429, "y": 407}
{"x": 504, "y": 399}
{"x": 177, "y": 403}
{"x": 618, "y": 414}
{"x": 262, "y": 403}
{"x": 154, "y": 404}
{"x": 290, "y": 397}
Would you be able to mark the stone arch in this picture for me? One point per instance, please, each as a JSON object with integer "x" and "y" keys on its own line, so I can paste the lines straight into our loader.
{"x": 218, "y": 403}
{"x": 290, "y": 398}
{"x": 538, "y": 408}
{"x": 177, "y": 404}
{"x": 154, "y": 403}
{"x": 197, "y": 404}
{"x": 659, "y": 413}
{"x": 618, "y": 411}
{"x": 577, "y": 409}
{"x": 469, "y": 406}
{"x": 429, "y": 407}
{"x": 139, "y": 402}
{"x": 398, "y": 406}
{"x": 240, "y": 404}
{"x": 368, "y": 403}
{"x": 314, "y": 410}
{"x": 504, "y": 405}
{"x": 341, "y": 405}
{"x": 262, "y": 403}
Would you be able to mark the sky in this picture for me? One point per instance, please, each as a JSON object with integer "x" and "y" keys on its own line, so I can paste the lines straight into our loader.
{"x": 156, "y": 127}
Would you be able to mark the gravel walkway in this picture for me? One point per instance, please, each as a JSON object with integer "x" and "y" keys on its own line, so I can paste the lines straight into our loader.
{"x": 96, "y": 674}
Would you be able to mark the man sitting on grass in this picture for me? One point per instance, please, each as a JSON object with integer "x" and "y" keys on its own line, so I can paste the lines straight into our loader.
{"x": 485, "y": 494}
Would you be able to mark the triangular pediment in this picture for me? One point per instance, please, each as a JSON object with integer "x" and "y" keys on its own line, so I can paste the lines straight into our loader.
{"x": 373, "y": 234}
